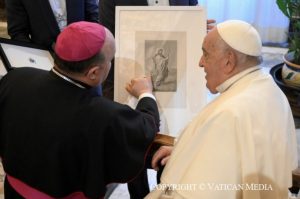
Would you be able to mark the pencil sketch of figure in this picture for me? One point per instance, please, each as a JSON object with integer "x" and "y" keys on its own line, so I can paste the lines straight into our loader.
{"x": 160, "y": 70}
{"x": 161, "y": 63}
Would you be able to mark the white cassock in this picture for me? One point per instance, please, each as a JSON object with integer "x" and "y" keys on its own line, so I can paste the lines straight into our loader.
{"x": 242, "y": 145}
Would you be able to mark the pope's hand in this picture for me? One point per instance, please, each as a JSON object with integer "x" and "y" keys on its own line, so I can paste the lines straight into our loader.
{"x": 161, "y": 157}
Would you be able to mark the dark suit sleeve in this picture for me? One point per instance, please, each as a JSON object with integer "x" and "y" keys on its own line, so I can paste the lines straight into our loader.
{"x": 193, "y": 2}
{"x": 107, "y": 14}
{"x": 130, "y": 136}
{"x": 18, "y": 26}
{"x": 91, "y": 11}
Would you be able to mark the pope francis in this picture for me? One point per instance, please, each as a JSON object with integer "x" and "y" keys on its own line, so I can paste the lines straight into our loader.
{"x": 243, "y": 144}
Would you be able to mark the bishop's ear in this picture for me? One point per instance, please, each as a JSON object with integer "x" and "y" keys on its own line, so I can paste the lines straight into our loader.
{"x": 93, "y": 73}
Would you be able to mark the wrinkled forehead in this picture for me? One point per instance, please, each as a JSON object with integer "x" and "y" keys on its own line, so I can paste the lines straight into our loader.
{"x": 211, "y": 40}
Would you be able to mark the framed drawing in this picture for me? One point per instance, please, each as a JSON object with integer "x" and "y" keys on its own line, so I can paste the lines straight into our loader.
{"x": 165, "y": 43}
{"x": 16, "y": 54}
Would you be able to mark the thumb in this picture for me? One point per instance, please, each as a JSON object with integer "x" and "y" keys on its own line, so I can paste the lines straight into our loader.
{"x": 164, "y": 160}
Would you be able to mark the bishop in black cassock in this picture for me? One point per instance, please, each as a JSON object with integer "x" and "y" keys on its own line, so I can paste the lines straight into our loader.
{"x": 58, "y": 137}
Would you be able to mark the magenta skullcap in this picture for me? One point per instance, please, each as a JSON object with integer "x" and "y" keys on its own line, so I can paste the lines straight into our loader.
{"x": 80, "y": 41}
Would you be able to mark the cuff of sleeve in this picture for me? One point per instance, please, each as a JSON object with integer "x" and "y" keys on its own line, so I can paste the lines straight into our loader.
{"x": 146, "y": 95}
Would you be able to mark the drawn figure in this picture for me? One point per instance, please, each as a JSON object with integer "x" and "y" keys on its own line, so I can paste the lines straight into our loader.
{"x": 160, "y": 70}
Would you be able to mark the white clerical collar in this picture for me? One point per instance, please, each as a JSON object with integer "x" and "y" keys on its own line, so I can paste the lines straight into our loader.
{"x": 67, "y": 78}
{"x": 229, "y": 82}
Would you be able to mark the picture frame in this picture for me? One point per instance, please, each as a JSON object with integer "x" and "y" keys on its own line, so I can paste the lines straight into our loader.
{"x": 164, "y": 42}
{"x": 16, "y": 54}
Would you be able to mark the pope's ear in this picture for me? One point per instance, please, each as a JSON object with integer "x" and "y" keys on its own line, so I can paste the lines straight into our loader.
{"x": 231, "y": 62}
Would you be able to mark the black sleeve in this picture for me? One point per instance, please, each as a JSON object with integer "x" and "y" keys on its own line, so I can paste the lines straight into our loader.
{"x": 3, "y": 89}
{"x": 129, "y": 137}
{"x": 18, "y": 26}
{"x": 148, "y": 106}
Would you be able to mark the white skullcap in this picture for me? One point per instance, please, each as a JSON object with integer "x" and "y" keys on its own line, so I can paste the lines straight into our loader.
{"x": 240, "y": 36}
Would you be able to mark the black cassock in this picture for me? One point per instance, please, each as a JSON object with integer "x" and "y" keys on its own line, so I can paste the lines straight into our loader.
{"x": 61, "y": 139}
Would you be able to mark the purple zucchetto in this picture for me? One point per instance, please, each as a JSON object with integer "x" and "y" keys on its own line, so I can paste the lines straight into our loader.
{"x": 80, "y": 41}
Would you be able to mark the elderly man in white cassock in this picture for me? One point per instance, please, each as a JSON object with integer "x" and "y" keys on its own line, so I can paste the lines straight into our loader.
{"x": 243, "y": 144}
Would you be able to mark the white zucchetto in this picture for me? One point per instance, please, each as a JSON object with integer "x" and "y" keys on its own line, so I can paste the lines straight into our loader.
{"x": 241, "y": 36}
